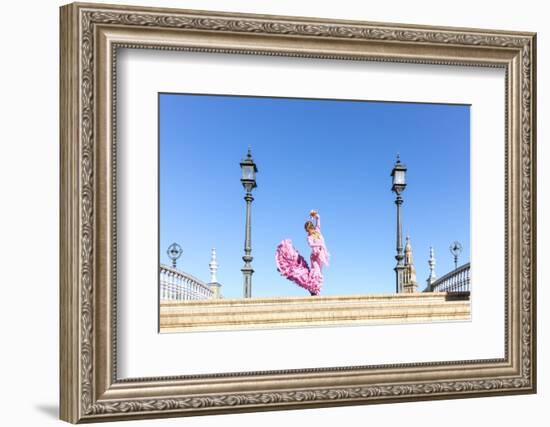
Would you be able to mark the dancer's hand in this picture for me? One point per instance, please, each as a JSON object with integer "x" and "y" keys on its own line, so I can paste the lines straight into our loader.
{"x": 313, "y": 213}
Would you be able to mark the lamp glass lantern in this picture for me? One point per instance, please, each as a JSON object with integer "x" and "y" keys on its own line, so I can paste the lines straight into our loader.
{"x": 248, "y": 170}
{"x": 398, "y": 177}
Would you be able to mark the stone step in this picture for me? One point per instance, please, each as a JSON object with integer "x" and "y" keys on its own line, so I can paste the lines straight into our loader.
{"x": 312, "y": 311}
{"x": 419, "y": 296}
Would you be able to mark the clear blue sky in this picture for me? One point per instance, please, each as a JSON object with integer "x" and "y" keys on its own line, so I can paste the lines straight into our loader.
{"x": 333, "y": 156}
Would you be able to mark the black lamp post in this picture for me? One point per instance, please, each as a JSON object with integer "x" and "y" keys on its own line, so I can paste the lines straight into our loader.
{"x": 248, "y": 180}
{"x": 456, "y": 250}
{"x": 174, "y": 252}
{"x": 398, "y": 186}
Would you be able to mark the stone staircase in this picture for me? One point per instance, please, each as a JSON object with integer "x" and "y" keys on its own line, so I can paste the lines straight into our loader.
{"x": 253, "y": 313}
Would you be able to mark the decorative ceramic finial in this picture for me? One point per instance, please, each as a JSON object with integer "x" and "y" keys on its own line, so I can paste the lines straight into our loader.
{"x": 431, "y": 263}
{"x": 408, "y": 242}
{"x": 213, "y": 266}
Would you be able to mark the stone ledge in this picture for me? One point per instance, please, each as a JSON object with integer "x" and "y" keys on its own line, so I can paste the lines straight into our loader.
{"x": 254, "y": 313}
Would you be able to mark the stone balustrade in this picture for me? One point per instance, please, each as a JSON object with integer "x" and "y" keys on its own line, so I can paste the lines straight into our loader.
{"x": 176, "y": 285}
{"x": 457, "y": 280}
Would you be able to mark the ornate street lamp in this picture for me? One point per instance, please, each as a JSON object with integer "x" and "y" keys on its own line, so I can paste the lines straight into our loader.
{"x": 248, "y": 180}
{"x": 398, "y": 186}
{"x": 456, "y": 250}
{"x": 174, "y": 252}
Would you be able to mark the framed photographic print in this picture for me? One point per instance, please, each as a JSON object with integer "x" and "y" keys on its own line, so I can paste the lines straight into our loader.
{"x": 266, "y": 212}
{"x": 304, "y": 167}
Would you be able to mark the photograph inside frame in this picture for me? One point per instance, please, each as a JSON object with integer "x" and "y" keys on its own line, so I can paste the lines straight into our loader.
{"x": 359, "y": 207}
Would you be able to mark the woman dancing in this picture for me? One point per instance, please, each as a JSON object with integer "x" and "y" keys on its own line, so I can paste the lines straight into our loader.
{"x": 294, "y": 267}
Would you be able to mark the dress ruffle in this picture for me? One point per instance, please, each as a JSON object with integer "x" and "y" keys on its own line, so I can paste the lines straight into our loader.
{"x": 294, "y": 267}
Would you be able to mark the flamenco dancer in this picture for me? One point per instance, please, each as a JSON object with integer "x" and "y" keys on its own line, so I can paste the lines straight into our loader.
{"x": 294, "y": 267}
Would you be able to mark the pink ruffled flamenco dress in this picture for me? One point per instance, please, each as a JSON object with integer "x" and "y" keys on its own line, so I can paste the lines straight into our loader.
{"x": 294, "y": 267}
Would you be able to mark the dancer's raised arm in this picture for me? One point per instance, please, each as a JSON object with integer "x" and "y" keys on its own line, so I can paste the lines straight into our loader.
{"x": 315, "y": 215}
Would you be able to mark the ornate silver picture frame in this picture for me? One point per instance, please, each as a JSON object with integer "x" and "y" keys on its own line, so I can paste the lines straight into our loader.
{"x": 91, "y": 389}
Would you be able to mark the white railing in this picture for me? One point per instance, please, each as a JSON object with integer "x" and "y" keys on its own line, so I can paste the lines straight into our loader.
{"x": 177, "y": 285}
{"x": 457, "y": 280}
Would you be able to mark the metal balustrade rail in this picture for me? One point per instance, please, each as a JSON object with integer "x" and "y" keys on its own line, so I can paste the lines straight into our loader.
{"x": 177, "y": 285}
{"x": 457, "y": 280}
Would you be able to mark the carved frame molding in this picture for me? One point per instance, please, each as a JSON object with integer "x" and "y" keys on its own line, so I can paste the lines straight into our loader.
{"x": 90, "y": 36}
